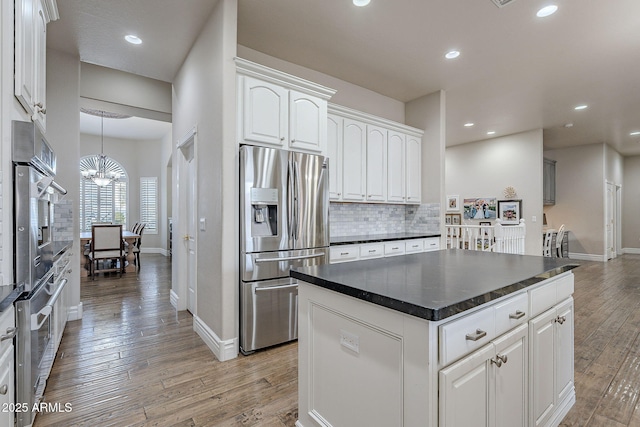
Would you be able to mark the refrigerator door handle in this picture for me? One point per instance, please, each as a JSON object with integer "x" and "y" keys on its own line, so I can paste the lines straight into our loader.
{"x": 290, "y": 199}
{"x": 289, "y": 258}
{"x": 296, "y": 200}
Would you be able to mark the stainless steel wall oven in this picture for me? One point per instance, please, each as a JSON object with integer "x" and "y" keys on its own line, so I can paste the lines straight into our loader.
{"x": 35, "y": 194}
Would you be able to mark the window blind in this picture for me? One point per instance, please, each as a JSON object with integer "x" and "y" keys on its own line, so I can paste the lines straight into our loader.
{"x": 149, "y": 204}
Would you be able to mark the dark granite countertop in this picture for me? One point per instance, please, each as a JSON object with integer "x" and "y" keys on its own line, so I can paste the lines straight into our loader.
{"x": 370, "y": 238}
{"x": 435, "y": 285}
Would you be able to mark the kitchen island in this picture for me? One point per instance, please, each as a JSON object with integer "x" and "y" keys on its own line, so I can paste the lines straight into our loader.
{"x": 444, "y": 338}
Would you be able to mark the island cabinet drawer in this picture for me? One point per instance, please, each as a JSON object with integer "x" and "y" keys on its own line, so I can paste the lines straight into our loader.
{"x": 394, "y": 248}
{"x": 466, "y": 334}
{"x": 511, "y": 312}
{"x": 431, "y": 244}
{"x": 371, "y": 250}
{"x": 414, "y": 245}
{"x": 343, "y": 253}
{"x": 549, "y": 294}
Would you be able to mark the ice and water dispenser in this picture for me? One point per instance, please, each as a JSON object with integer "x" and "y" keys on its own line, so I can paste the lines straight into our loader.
{"x": 264, "y": 209}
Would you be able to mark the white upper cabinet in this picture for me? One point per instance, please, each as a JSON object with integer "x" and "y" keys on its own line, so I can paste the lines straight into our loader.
{"x": 265, "y": 110}
{"x": 396, "y": 180}
{"x": 376, "y": 164}
{"x": 30, "y": 78}
{"x": 413, "y": 172}
{"x": 308, "y": 122}
{"x": 279, "y": 110}
{"x": 334, "y": 152}
{"x": 392, "y": 151}
{"x": 354, "y": 161}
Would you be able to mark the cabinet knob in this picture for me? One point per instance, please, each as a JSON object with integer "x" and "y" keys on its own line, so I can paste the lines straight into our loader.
{"x": 517, "y": 315}
{"x": 282, "y": 138}
{"x": 339, "y": 194}
{"x": 502, "y": 357}
{"x": 4, "y": 389}
{"x": 497, "y": 362}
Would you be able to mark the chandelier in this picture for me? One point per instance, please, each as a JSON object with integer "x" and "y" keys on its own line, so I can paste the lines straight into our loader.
{"x": 101, "y": 172}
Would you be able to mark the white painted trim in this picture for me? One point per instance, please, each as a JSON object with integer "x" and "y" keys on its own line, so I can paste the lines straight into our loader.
{"x": 588, "y": 257}
{"x": 174, "y": 299}
{"x": 161, "y": 251}
{"x": 635, "y": 251}
{"x": 74, "y": 312}
{"x": 350, "y": 113}
{"x": 223, "y": 350}
{"x": 288, "y": 81}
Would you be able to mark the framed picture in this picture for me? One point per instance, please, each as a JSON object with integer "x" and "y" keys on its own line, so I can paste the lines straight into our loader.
{"x": 447, "y": 220}
{"x": 453, "y": 203}
{"x": 510, "y": 211}
{"x": 455, "y": 219}
{"x": 481, "y": 208}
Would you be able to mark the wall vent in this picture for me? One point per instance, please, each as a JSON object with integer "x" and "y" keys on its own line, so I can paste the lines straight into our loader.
{"x": 502, "y": 3}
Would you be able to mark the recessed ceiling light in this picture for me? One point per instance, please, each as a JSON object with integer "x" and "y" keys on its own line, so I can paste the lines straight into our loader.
{"x": 133, "y": 39}
{"x": 468, "y": 125}
{"x": 491, "y": 132}
{"x": 361, "y": 2}
{"x": 636, "y": 133}
{"x": 452, "y": 54}
{"x": 547, "y": 10}
{"x": 581, "y": 107}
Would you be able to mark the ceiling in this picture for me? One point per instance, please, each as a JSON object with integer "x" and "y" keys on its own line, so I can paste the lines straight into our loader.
{"x": 135, "y": 128}
{"x": 516, "y": 72}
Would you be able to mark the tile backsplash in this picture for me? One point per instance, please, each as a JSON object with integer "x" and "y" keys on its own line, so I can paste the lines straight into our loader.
{"x": 63, "y": 221}
{"x": 354, "y": 219}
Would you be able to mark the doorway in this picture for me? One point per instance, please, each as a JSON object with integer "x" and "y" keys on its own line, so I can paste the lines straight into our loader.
{"x": 612, "y": 219}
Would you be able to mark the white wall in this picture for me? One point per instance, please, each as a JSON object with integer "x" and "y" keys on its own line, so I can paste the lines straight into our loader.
{"x": 580, "y": 176}
{"x": 486, "y": 168}
{"x": 631, "y": 204}
{"x": 428, "y": 113}
{"x": 140, "y": 158}
{"x": 347, "y": 95}
{"x": 204, "y": 96}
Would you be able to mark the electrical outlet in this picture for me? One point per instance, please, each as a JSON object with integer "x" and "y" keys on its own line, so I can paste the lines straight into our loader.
{"x": 534, "y": 219}
{"x": 350, "y": 341}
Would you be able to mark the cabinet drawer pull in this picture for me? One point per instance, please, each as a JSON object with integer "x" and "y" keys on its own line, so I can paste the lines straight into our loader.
{"x": 11, "y": 332}
{"x": 371, "y": 251}
{"x": 395, "y": 249}
{"x": 476, "y": 336}
{"x": 344, "y": 253}
{"x": 517, "y": 315}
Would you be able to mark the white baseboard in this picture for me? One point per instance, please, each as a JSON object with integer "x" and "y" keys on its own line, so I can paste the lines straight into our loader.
{"x": 75, "y": 312}
{"x": 635, "y": 251}
{"x": 223, "y": 350}
{"x": 174, "y": 299}
{"x": 160, "y": 251}
{"x": 587, "y": 257}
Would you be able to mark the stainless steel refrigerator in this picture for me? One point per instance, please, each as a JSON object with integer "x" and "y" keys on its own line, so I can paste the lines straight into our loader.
{"x": 284, "y": 223}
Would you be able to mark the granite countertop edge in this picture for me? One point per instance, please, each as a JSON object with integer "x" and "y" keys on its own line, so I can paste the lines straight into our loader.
{"x": 427, "y": 313}
{"x": 373, "y": 238}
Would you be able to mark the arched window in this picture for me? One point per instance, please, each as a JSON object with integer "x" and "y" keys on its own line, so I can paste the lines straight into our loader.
{"x": 102, "y": 204}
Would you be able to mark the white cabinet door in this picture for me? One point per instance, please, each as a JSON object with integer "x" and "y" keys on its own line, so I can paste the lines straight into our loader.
{"x": 542, "y": 367}
{"x": 376, "y": 164}
{"x": 25, "y": 56}
{"x": 307, "y": 122}
{"x": 40, "y": 79}
{"x": 334, "y": 152}
{"x": 7, "y": 388}
{"x": 396, "y": 177}
{"x": 354, "y": 160}
{"x": 265, "y": 112}
{"x": 464, "y": 390}
{"x": 413, "y": 171}
{"x": 564, "y": 349}
{"x": 511, "y": 379}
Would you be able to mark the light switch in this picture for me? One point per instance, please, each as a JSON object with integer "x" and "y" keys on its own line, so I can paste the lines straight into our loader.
{"x": 203, "y": 224}
{"x": 534, "y": 219}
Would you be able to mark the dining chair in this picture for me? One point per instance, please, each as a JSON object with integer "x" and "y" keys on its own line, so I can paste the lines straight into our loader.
{"x": 546, "y": 243}
{"x": 136, "y": 246}
{"x": 107, "y": 249}
{"x": 559, "y": 239}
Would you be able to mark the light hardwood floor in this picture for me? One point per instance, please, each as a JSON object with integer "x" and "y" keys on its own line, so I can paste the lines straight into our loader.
{"x": 133, "y": 361}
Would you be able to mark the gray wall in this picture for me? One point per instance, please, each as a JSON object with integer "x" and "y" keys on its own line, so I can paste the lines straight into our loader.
{"x": 486, "y": 168}
{"x": 631, "y": 204}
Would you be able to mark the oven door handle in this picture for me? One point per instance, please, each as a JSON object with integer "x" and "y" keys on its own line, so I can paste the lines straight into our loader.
{"x": 47, "y": 309}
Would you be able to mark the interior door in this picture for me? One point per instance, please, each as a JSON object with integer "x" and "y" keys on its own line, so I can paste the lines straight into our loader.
{"x": 610, "y": 222}
{"x": 190, "y": 239}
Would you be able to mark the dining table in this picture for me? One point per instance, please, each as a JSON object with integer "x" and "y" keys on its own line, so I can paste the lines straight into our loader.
{"x": 127, "y": 236}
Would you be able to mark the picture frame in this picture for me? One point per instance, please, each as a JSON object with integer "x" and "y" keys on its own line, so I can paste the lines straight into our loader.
{"x": 453, "y": 203}
{"x": 510, "y": 211}
{"x": 456, "y": 219}
{"x": 482, "y": 208}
